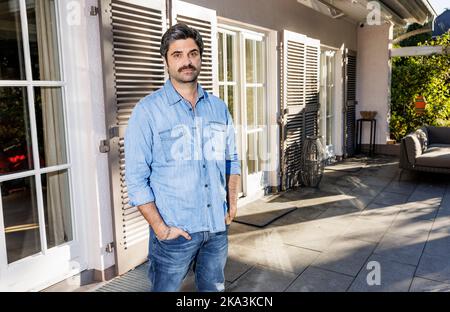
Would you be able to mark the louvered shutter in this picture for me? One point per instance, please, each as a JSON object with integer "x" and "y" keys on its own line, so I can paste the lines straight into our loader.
{"x": 350, "y": 103}
{"x": 133, "y": 68}
{"x": 205, "y": 21}
{"x": 300, "y": 101}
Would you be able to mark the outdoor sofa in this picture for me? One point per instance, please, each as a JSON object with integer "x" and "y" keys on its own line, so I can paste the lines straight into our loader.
{"x": 426, "y": 149}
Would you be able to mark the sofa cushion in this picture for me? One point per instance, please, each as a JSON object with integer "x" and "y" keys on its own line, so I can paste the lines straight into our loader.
{"x": 422, "y": 135}
{"x": 438, "y": 157}
{"x": 413, "y": 148}
{"x": 438, "y": 135}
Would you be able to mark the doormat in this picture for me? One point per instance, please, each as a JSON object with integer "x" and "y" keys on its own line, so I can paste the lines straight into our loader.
{"x": 262, "y": 219}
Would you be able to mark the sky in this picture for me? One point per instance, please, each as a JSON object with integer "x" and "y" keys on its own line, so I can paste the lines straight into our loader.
{"x": 440, "y": 5}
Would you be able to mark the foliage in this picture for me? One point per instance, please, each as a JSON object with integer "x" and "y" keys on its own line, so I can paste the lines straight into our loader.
{"x": 422, "y": 75}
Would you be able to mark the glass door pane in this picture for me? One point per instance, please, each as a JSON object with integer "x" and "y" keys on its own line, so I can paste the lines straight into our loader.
{"x": 20, "y": 215}
{"x": 12, "y": 64}
{"x": 15, "y": 135}
{"x": 43, "y": 39}
{"x": 58, "y": 217}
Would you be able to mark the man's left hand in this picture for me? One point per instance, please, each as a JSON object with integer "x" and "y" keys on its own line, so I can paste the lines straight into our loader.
{"x": 231, "y": 214}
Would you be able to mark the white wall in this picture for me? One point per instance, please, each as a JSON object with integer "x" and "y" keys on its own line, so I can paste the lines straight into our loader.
{"x": 286, "y": 14}
{"x": 373, "y": 77}
{"x": 86, "y": 118}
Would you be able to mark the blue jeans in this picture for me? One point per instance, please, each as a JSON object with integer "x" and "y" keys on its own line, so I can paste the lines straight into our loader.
{"x": 170, "y": 261}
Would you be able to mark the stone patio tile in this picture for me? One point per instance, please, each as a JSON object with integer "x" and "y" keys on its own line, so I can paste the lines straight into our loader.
{"x": 368, "y": 190}
{"x": 389, "y": 198}
{"x": 436, "y": 268}
{"x": 401, "y": 249}
{"x": 234, "y": 269}
{"x": 300, "y": 215}
{"x": 418, "y": 211}
{"x": 318, "y": 280}
{"x": 402, "y": 187}
{"x": 425, "y": 198}
{"x": 339, "y": 215}
{"x": 260, "y": 279}
{"x": 243, "y": 254}
{"x": 380, "y": 213}
{"x": 345, "y": 256}
{"x": 432, "y": 189}
{"x": 371, "y": 180}
{"x": 438, "y": 243}
{"x": 334, "y": 188}
{"x": 259, "y": 239}
{"x": 316, "y": 235}
{"x": 424, "y": 285}
{"x": 366, "y": 230}
{"x": 445, "y": 203}
{"x": 411, "y": 228}
{"x": 394, "y": 277}
{"x": 288, "y": 258}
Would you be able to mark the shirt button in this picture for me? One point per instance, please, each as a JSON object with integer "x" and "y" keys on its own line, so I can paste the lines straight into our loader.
{"x": 209, "y": 205}
{"x": 206, "y": 185}
{"x": 204, "y": 166}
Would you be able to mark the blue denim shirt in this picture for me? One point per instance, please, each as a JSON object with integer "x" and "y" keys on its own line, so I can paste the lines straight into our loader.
{"x": 179, "y": 157}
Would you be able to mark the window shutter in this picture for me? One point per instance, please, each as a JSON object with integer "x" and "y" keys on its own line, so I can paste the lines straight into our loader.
{"x": 350, "y": 102}
{"x": 312, "y": 86}
{"x": 133, "y": 67}
{"x": 205, "y": 21}
{"x": 300, "y": 101}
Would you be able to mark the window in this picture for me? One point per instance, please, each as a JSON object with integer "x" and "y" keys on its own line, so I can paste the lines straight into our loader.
{"x": 34, "y": 165}
{"x": 227, "y": 72}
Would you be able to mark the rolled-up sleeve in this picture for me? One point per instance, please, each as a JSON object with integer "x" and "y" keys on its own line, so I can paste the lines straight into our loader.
{"x": 232, "y": 163}
{"x": 138, "y": 157}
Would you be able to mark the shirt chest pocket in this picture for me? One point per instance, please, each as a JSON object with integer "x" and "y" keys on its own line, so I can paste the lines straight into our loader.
{"x": 217, "y": 137}
{"x": 176, "y": 144}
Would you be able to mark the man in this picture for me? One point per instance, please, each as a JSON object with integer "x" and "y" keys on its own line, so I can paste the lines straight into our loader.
{"x": 182, "y": 170}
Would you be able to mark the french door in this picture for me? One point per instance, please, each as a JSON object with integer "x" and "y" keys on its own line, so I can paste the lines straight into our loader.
{"x": 242, "y": 85}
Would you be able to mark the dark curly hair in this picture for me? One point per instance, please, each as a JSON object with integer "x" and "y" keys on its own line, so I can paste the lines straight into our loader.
{"x": 180, "y": 32}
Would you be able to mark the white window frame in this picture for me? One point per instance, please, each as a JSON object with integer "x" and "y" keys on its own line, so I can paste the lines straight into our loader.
{"x": 36, "y": 172}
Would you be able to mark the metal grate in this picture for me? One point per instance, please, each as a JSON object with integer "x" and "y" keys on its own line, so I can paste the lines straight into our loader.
{"x": 133, "y": 281}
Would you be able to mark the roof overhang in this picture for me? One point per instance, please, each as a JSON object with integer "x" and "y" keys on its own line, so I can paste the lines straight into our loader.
{"x": 399, "y": 12}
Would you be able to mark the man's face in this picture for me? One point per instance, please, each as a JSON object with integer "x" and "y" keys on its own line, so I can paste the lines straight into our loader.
{"x": 183, "y": 60}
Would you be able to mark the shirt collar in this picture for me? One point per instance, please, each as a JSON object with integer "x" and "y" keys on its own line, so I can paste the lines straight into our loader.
{"x": 174, "y": 97}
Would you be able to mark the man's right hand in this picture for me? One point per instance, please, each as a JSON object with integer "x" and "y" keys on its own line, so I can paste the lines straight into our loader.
{"x": 171, "y": 232}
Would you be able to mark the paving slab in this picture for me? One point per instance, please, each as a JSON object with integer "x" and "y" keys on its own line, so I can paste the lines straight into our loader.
{"x": 424, "y": 285}
{"x": 402, "y": 249}
{"x": 319, "y": 280}
{"x": 394, "y": 277}
{"x": 433, "y": 267}
{"x": 346, "y": 256}
{"x": 257, "y": 280}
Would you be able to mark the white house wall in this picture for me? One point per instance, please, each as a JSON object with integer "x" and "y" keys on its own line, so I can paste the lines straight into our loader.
{"x": 373, "y": 77}
{"x": 286, "y": 14}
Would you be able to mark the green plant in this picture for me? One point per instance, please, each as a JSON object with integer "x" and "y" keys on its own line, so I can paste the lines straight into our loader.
{"x": 422, "y": 75}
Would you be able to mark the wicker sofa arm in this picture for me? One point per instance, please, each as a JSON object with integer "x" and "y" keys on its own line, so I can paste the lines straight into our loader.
{"x": 412, "y": 147}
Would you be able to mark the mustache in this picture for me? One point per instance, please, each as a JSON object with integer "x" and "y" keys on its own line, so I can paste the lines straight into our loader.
{"x": 186, "y": 67}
